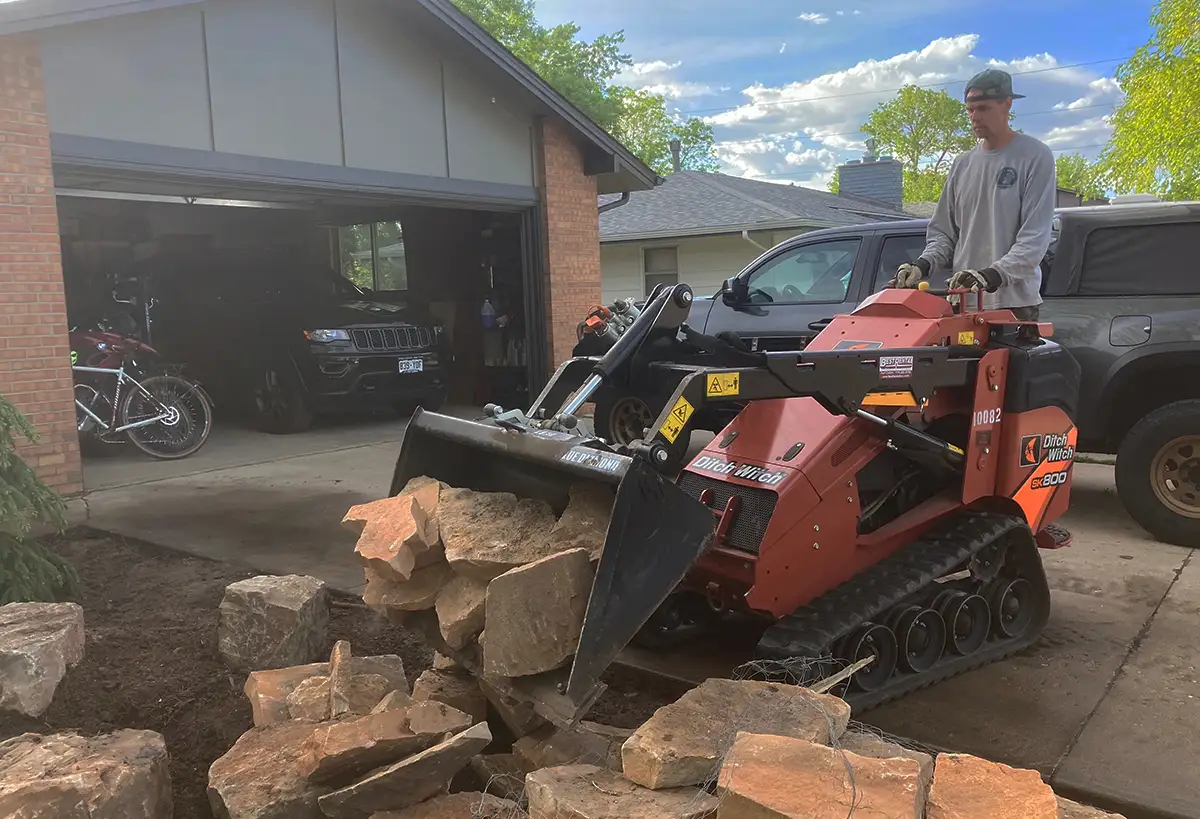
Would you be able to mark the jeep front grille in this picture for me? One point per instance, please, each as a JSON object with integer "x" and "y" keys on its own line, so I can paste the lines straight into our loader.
{"x": 392, "y": 338}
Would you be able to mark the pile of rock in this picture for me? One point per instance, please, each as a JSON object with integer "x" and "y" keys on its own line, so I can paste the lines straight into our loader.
{"x": 346, "y": 739}
{"x": 38, "y": 643}
{"x": 508, "y": 578}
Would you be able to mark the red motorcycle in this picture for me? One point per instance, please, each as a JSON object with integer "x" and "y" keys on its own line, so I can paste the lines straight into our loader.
{"x": 123, "y": 391}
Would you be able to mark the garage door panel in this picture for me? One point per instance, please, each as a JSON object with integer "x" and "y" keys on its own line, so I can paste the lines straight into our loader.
{"x": 273, "y": 76}
{"x": 115, "y": 78}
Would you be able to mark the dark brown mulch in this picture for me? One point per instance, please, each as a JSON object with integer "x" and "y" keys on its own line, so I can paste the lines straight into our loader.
{"x": 151, "y": 661}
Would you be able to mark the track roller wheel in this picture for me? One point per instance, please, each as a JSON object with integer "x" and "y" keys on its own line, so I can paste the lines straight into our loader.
{"x": 920, "y": 636}
{"x": 1011, "y": 601}
{"x": 968, "y": 619}
{"x": 872, "y": 639}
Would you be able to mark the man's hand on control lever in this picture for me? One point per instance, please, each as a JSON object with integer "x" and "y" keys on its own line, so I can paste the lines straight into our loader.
{"x": 975, "y": 280}
{"x": 908, "y": 276}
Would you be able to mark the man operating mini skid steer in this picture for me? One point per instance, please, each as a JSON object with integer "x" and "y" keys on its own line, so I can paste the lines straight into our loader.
{"x": 992, "y": 222}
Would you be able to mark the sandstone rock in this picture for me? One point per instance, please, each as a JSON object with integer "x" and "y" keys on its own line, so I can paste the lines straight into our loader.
{"x": 584, "y": 522}
{"x": 460, "y": 610}
{"x": 391, "y": 533}
{"x": 464, "y": 805}
{"x": 589, "y": 792}
{"x": 416, "y": 594}
{"x": 587, "y": 743}
{"x": 410, "y": 781}
{"x": 1074, "y": 810}
{"x": 518, "y": 716}
{"x": 437, "y": 718}
{"x": 370, "y": 679}
{"x": 260, "y": 777}
{"x": 336, "y": 754}
{"x": 683, "y": 743}
{"x": 339, "y": 678}
{"x": 773, "y": 777}
{"x": 273, "y": 622}
{"x": 867, "y": 744}
{"x": 967, "y": 787}
{"x": 396, "y": 699}
{"x": 458, "y": 691}
{"x": 487, "y": 533}
{"x": 534, "y": 615}
{"x": 501, "y": 775}
{"x": 122, "y": 775}
{"x": 268, "y": 690}
{"x": 444, "y": 663}
{"x": 388, "y": 666}
{"x": 310, "y": 700}
{"x": 38, "y": 642}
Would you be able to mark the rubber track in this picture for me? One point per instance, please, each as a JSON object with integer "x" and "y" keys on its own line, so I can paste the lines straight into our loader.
{"x": 812, "y": 631}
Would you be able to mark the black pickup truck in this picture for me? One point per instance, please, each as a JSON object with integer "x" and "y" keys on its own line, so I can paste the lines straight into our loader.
{"x": 1120, "y": 284}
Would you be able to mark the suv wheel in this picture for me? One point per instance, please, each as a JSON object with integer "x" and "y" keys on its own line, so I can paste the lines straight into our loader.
{"x": 1158, "y": 473}
{"x": 621, "y": 418}
{"x": 278, "y": 401}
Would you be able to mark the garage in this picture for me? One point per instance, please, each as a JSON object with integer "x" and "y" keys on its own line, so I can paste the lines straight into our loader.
{"x": 312, "y": 206}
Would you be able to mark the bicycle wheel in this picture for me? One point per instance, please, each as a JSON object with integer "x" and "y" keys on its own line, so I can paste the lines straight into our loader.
{"x": 186, "y": 425}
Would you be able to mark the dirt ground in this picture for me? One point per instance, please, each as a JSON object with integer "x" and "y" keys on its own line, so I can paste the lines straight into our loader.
{"x": 151, "y": 660}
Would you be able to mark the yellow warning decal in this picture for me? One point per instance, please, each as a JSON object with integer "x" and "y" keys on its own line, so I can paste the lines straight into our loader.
{"x": 953, "y": 448}
{"x": 677, "y": 420}
{"x": 903, "y": 398}
{"x": 966, "y": 337}
{"x": 722, "y": 384}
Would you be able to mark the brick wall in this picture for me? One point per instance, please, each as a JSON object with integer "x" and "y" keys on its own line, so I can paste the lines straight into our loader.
{"x": 572, "y": 235}
{"x": 35, "y": 371}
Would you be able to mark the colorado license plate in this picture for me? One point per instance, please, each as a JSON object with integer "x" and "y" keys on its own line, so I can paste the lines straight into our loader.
{"x": 411, "y": 365}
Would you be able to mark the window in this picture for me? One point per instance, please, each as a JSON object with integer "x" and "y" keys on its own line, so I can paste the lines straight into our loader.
{"x": 372, "y": 255}
{"x": 1141, "y": 260}
{"x": 661, "y": 266}
{"x": 897, "y": 250}
{"x": 814, "y": 273}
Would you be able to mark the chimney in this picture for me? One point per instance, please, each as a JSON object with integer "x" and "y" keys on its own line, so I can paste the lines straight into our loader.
{"x": 676, "y": 165}
{"x": 881, "y": 179}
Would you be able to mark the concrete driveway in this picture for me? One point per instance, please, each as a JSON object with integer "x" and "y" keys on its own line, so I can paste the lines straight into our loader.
{"x": 1106, "y": 705}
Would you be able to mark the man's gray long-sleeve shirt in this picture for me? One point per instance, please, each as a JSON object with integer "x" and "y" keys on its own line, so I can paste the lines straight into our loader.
{"x": 996, "y": 211}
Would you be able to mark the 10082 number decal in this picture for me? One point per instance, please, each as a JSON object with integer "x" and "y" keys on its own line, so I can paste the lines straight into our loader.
{"x": 986, "y": 417}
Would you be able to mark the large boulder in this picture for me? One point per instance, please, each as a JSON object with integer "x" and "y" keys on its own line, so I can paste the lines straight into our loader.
{"x": 534, "y": 615}
{"x": 261, "y": 776}
{"x": 269, "y": 691}
{"x": 336, "y": 754}
{"x": 38, "y": 643}
{"x": 273, "y": 622}
{"x": 967, "y": 787}
{"x": 409, "y": 781}
{"x": 591, "y": 792}
{"x": 457, "y": 690}
{"x": 465, "y": 805}
{"x": 460, "y": 610}
{"x": 487, "y": 533}
{"x": 683, "y": 743}
{"x": 398, "y": 535}
{"x": 865, "y": 743}
{"x": 586, "y": 743}
{"x": 584, "y": 522}
{"x": 418, "y": 593}
{"x": 122, "y": 775}
{"x": 773, "y": 777}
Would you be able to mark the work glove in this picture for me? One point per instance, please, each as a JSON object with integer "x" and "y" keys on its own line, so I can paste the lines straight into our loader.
{"x": 975, "y": 280}
{"x": 908, "y": 276}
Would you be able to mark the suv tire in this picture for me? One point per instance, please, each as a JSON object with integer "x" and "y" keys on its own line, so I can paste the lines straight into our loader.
{"x": 618, "y": 415}
{"x": 277, "y": 400}
{"x": 1158, "y": 473}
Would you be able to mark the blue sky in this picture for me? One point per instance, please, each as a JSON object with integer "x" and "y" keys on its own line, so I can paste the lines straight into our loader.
{"x": 787, "y": 83}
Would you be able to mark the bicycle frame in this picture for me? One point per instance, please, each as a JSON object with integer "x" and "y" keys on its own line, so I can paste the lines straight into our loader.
{"x": 122, "y": 377}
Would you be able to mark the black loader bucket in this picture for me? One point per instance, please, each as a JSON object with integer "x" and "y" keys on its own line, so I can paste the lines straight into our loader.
{"x": 655, "y": 533}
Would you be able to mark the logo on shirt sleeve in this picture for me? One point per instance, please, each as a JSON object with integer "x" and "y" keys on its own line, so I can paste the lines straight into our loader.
{"x": 1007, "y": 178}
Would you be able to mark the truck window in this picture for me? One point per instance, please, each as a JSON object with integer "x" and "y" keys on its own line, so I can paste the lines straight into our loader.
{"x": 1141, "y": 260}
{"x": 819, "y": 272}
{"x": 897, "y": 250}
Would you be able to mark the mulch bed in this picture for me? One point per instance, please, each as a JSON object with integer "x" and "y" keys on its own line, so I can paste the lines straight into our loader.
{"x": 151, "y": 660}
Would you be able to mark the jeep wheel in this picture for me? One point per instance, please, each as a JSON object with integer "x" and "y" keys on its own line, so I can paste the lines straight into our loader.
{"x": 1158, "y": 473}
{"x": 277, "y": 400}
{"x": 622, "y": 417}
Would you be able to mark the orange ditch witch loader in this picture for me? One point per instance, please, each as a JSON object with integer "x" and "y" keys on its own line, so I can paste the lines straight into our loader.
{"x": 883, "y": 493}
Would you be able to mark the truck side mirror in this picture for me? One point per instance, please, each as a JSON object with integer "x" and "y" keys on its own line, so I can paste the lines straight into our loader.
{"x": 735, "y": 291}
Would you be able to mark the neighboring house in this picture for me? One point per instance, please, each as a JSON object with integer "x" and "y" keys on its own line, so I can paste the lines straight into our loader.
{"x": 701, "y": 228}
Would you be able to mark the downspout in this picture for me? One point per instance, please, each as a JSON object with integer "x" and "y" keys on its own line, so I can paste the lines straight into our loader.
{"x": 607, "y": 206}
{"x": 746, "y": 236}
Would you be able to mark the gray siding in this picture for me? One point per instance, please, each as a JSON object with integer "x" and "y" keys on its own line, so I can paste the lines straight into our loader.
{"x": 335, "y": 82}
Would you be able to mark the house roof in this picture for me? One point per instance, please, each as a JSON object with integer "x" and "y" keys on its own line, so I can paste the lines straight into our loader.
{"x": 693, "y": 203}
{"x": 616, "y": 167}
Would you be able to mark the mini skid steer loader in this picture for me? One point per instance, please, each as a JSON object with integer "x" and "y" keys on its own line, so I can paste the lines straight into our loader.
{"x": 882, "y": 494}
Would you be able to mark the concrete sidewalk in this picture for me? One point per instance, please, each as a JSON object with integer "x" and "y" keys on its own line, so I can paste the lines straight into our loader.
{"x": 1106, "y": 705}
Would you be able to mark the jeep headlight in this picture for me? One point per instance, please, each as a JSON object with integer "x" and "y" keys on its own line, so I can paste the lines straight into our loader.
{"x": 326, "y": 336}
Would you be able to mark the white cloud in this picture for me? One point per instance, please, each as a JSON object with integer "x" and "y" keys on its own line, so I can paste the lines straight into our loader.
{"x": 1089, "y": 132}
{"x": 783, "y": 48}
{"x": 681, "y": 90}
{"x": 653, "y": 67}
{"x": 814, "y": 18}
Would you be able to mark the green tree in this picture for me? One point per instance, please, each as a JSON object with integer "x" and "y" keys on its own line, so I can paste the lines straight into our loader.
{"x": 28, "y": 570}
{"x": 922, "y": 128}
{"x": 1076, "y": 174}
{"x": 583, "y": 71}
{"x": 1155, "y": 144}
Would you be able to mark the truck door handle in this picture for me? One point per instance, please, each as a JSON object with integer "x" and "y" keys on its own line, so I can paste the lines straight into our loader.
{"x": 819, "y": 325}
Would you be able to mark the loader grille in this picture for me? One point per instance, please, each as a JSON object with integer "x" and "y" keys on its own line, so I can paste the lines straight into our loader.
{"x": 757, "y": 507}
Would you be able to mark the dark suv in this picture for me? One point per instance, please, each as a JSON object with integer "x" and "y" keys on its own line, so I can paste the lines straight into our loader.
{"x": 288, "y": 338}
{"x": 1119, "y": 286}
